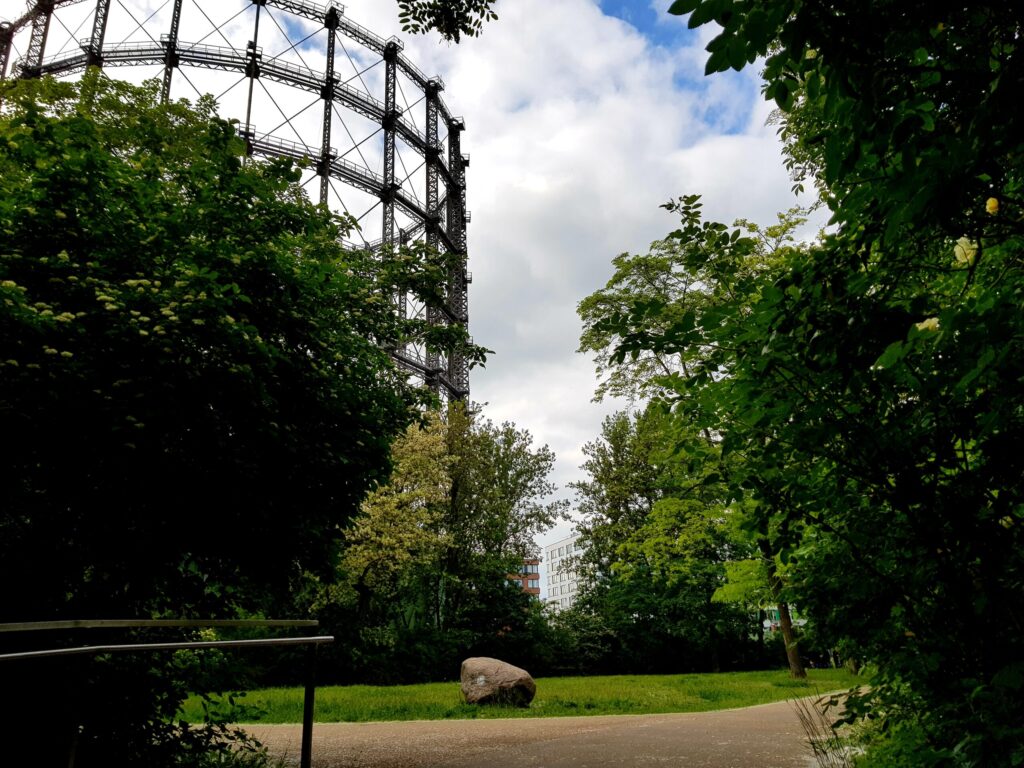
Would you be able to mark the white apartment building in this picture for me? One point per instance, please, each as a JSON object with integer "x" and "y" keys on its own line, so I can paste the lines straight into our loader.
{"x": 563, "y": 575}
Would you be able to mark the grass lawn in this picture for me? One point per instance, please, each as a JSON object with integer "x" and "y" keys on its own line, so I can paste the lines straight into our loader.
{"x": 556, "y": 697}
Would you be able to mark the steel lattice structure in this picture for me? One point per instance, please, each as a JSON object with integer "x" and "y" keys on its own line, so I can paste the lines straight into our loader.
{"x": 278, "y": 60}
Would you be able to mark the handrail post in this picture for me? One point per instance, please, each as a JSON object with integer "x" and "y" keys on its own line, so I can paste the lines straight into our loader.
{"x": 306, "y": 757}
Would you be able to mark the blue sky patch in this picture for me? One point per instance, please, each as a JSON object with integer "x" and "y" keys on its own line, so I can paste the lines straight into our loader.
{"x": 296, "y": 32}
{"x": 657, "y": 26}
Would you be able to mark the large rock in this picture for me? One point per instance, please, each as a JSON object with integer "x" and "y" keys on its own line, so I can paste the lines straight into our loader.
{"x": 490, "y": 681}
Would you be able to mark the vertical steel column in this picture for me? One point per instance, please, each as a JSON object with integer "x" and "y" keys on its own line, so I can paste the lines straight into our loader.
{"x": 94, "y": 55}
{"x": 252, "y": 67}
{"x": 458, "y": 282}
{"x": 171, "y": 52}
{"x": 432, "y": 156}
{"x": 37, "y": 42}
{"x": 331, "y": 22}
{"x": 388, "y": 123}
{"x": 6, "y": 42}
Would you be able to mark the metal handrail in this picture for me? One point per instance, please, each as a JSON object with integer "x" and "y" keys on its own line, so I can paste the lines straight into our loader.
{"x": 80, "y": 650}
{"x": 309, "y": 697}
{"x": 32, "y": 626}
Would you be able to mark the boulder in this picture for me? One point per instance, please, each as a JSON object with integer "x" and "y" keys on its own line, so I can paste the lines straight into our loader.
{"x": 490, "y": 681}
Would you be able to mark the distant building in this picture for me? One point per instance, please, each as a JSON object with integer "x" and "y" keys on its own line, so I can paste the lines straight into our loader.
{"x": 529, "y": 576}
{"x": 563, "y": 573}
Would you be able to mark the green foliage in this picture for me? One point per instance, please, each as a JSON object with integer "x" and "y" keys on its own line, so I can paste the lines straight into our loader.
{"x": 915, "y": 117}
{"x": 746, "y": 582}
{"x": 870, "y": 385}
{"x": 556, "y": 697}
{"x": 193, "y": 393}
{"x": 662, "y": 322}
{"x": 452, "y": 18}
{"x": 679, "y": 286}
{"x": 424, "y": 577}
{"x": 656, "y": 539}
{"x": 186, "y": 350}
{"x": 815, "y": 400}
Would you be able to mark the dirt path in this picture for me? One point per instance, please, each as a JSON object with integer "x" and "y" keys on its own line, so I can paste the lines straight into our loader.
{"x": 767, "y": 736}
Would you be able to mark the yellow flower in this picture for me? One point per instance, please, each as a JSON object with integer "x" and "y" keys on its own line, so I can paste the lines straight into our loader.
{"x": 930, "y": 324}
{"x": 965, "y": 250}
{"x": 992, "y": 206}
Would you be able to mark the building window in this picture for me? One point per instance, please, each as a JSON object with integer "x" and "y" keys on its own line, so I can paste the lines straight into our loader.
{"x": 534, "y": 583}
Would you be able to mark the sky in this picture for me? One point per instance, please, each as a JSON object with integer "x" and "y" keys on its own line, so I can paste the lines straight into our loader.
{"x": 582, "y": 118}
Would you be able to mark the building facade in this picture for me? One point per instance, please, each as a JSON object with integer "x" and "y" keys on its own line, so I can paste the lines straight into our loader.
{"x": 563, "y": 572}
{"x": 529, "y": 576}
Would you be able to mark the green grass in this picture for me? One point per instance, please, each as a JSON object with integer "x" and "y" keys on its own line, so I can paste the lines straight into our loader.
{"x": 556, "y": 697}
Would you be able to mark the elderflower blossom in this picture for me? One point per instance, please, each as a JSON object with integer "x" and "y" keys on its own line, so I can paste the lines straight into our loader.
{"x": 965, "y": 251}
{"x": 930, "y": 324}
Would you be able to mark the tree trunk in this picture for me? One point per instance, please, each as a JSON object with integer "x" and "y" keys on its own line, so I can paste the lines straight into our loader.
{"x": 796, "y": 666}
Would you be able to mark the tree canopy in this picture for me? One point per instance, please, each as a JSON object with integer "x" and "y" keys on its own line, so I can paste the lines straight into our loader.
{"x": 194, "y": 392}
{"x": 424, "y": 579}
{"x": 869, "y": 388}
{"x": 189, "y": 357}
{"x": 655, "y": 542}
{"x": 683, "y": 531}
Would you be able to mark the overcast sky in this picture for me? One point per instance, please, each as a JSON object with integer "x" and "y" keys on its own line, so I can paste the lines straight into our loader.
{"x": 582, "y": 117}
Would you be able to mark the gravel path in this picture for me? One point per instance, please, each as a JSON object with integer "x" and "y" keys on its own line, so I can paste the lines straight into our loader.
{"x": 767, "y": 736}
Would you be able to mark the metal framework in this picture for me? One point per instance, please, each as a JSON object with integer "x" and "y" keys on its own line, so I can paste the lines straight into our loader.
{"x": 416, "y": 173}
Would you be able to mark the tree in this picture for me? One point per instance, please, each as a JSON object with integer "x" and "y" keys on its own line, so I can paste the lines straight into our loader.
{"x": 675, "y": 284}
{"x": 873, "y": 385}
{"x": 655, "y": 542}
{"x": 194, "y": 395}
{"x": 631, "y": 326}
{"x": 425, "y": 573}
